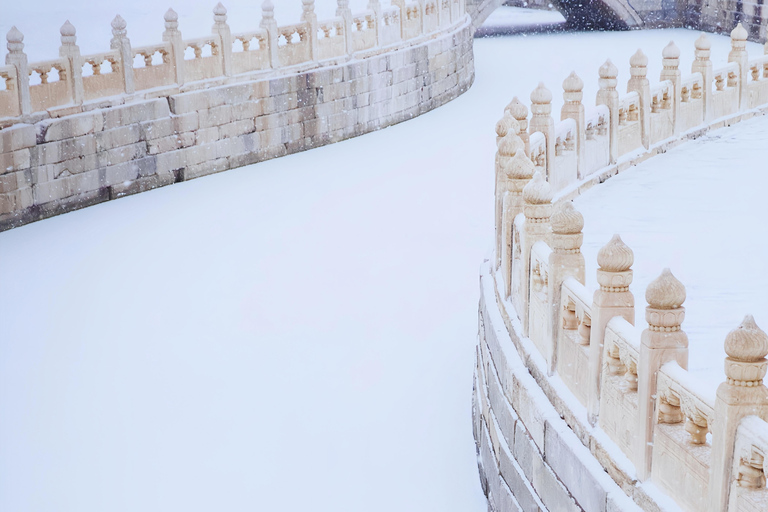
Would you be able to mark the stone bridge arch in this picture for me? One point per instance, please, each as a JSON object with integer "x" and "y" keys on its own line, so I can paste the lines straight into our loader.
{"x": 609, "y": 14}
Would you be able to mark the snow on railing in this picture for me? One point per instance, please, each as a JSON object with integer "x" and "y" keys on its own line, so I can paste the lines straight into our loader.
{"x": 632, "y": 384}
{"x": 75, "y": 78}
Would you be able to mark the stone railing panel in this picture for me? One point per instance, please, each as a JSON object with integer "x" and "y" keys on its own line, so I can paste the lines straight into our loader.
{"x": 748, "y": 491}
{"x": 725, "y": 96}
{"x": 691, "y": 102}
{"x": 250, "y": 51}
{"x": 539, "y": 311}
{"x": 431, "y": 16}
{"x": 202, "y": 58}
{"x": 662, "y": 112}
{"x": 48, "y": 84}
{"x": 389, "y": 26}
{"x": 331, "y": 42}
{"x": 293, "y": 45}
{"x": 102, "y": 75}
{"x": 758, "y": 81}
{"x": 9, "y": 94}
{"x": 364, "y": 31}
{"x": 152, "y": 66}
{"x": 597, "y": 140}
{"x": 618, "y": 398}
{"x": 412, "y": 23}
{"x": 565, "y": 169}
{"x": 573, "y": 339}
{"x": 630, "y": 129}
{"x": 682, "y": 445}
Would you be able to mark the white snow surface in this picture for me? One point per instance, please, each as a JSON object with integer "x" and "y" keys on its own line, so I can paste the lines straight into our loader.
{"x": 299, "y": 334}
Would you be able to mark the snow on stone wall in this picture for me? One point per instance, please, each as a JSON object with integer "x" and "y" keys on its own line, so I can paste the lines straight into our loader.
{"x": 151, "y": 116}
{"x": 629, "y": 407}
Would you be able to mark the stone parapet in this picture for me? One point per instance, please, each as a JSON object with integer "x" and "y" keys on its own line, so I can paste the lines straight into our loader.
{"x": 63, "y": 159}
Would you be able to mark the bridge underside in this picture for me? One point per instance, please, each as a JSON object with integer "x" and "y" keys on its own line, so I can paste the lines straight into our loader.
{"x": 709, "y": 15}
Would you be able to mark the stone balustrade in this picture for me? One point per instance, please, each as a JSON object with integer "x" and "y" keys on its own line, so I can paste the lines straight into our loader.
{"x": 82, "y": 129}
{"x": 575, "y": 408}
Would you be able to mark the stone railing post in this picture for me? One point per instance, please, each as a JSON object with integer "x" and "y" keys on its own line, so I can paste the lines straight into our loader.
{"x": 70, "y": 51}
{"x": 507, "y": 147}
{"x": 520, "y": 113}
{"x": 608, "y": 96}
{"x": 518, "y": 172}
{"x": 541, "y": 121}
{"x": 172, "y": 35}
{"x": 375, "y": 6}
{"x": 18, "y": 59}
{"x": 739, "y": 55}
{"x": 613, "y": 299}
{"x": 345, "y": 13}
{"x": 702, "y": 64}
{"x": 221, "y": 29}
{"x": 742, "y": 394}
{"x": 269, "y": 24}
{"x": 122, "y": 44}
{"x": 566, "y": 260}
{"x": 671, "y": 71}
{"x": 640, "y": 84}
{"x": 661, "y": 342}
{"x": 309, "y": 16}
{"x": 573, "y": 108}
{"x": 537, "y": 207}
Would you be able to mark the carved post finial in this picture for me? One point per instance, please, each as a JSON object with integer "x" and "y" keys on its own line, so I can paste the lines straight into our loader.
{"x": 18, "y": 59}
{"x": 638, "y": 82}
{"x": 567, "y": 224}
{"x": 172, "y": 34}
{"x": 739, "y": 55}
{"x": 506, "y": 125}
{"x": 73, "y": 76}
{"x": 520, "y": 113}
{"x": 742, "y": 394}
{"x": 542, "y": 121}
{"x": 573, "y": 108}
{"x": 608, "y": 96}
{"x": 267, "y": 10}
{"x": 613, "y": 299}
{"x": 171, "y": 18}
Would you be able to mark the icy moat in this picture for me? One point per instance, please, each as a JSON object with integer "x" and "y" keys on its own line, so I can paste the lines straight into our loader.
{"x": 299, "y": 334}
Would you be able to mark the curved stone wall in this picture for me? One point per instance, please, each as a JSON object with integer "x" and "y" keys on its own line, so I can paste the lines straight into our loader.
{"x": 74, "y": 155}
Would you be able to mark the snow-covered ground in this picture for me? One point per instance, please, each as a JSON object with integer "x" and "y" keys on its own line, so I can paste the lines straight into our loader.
{"x": 299, "y": 334}
{"x": 700, "y": 210}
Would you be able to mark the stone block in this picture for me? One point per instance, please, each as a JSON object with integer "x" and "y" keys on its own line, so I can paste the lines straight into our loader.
{"x": 141, "y": 185}
{"x": 215, "y": 116}
{"x": 67, "y": 149}
{"x": 565, "y": 455}
{"x": 186, "y": 122}
{"x": 505, "y": 501}
{"x": 120, "y": 173}
{"x": 206, "y": 135}
{"x": 51, "y": 130}
{"x": 515, "y": 481}
{"x": 229, "y": 95}
{"x": 205, "y": 168}
{"x": 15, "y": 161}
{"x": 236, "y": 128}
{"x": 157, "y": 129}
{"x": 133, "y": 113}
{"x": 171, "y": 143}
{"x": 528, "y": 411}
{"x": 17, "y": 136}
{"x": 249, "y": 110}
{"x": 117, "y": 137}
{"x": 188, "y": 102}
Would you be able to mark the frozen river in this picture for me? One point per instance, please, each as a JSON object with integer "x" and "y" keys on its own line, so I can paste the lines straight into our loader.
{"x": 299, "y": 334}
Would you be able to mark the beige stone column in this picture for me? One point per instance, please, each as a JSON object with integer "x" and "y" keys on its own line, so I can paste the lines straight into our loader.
{"x": 742, "y": 394}
{"x": 566, "y": 260}
{"x": 345, "y": 13}
{"x": 740, "y": 56}
{"x": 661, "y": 342}
{"x": 537, "y": 207}
{"x": 172, "y": 35}
{"x": 613, "y": 298}
{"x": 541, "y": 121}
{"x": 122, "y": 44}
{"x": 671, "y": 71}
{"x": 639, "y": 83}
{"x": 18, "y": 59}
{"x": 309, "y": 16}
{"x": 702, "y": 64}
{"x": 608, "y": 96}
{"x": 221, "y": 29}
{"x": 573, "y": 108}
{"x": 518, "y": 172}
{"x": 70, "y": 51}
{"x": 507, "y": 147}
{"x": 520, "y": 113}
{"x": 269, "y": 24}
